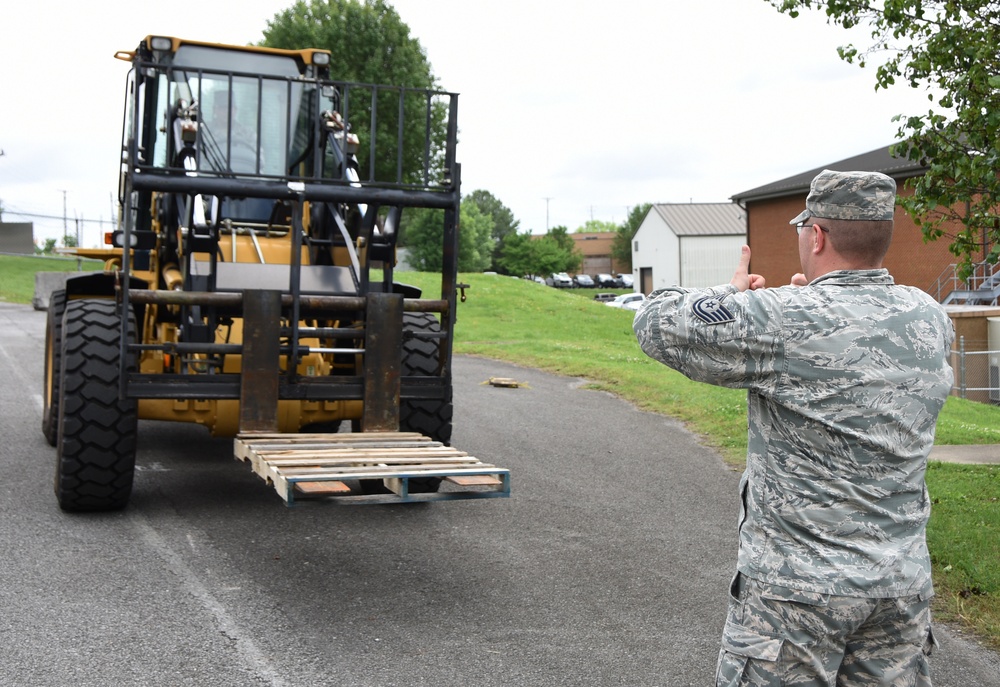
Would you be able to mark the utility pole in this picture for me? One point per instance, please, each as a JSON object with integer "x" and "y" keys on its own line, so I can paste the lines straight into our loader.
{"x": 547, "y": 199}
{"x": 65, "y": 226}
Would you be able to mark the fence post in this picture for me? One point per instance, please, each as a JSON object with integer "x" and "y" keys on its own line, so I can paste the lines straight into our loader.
{"x": 961, "y": 366}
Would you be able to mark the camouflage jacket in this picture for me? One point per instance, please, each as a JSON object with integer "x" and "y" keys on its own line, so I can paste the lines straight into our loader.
{"x": 845, "y": 379}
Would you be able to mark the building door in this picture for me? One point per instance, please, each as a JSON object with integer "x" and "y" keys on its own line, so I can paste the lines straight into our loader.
{"x": 645, "y": 280}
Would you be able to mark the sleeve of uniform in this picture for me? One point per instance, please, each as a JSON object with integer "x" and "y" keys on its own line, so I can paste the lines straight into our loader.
{"x": 717, "y": 335}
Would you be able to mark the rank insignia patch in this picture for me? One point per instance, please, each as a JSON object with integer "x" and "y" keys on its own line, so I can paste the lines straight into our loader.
{"x": 710, "y": 310}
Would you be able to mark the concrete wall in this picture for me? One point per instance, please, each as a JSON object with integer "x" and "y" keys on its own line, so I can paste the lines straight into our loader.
{"x": 45, "y": 284}
{"x": 17, "y": 237}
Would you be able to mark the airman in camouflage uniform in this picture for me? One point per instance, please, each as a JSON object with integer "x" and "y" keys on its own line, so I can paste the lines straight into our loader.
{"x": 846, "y": 373}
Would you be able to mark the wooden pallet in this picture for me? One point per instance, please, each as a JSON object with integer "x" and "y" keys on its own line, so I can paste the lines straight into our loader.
{"x": 323, "y": 466}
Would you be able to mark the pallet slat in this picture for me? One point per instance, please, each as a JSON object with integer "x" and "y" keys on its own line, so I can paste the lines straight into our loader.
{"x": 322, "y": 488}
{"x": 474, "y": 480}
{"x": 318, "y": 466}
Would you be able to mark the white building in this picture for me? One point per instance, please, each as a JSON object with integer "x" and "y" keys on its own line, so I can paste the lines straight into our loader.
{"x": 687, "y": 244}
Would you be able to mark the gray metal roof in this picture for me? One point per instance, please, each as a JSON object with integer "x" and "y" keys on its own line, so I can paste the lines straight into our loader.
{"x": 878, "y": 160}
{"x": 703, "y": 219}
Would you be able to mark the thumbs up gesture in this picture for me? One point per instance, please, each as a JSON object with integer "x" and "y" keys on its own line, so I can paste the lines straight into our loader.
{"x": 743, "y": 279}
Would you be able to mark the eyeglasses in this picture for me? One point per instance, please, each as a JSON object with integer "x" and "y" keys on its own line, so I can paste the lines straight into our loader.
{"x": 807, "y": 225}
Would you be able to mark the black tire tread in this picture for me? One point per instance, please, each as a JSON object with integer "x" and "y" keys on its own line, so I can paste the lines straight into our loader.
{"x": 96, "y": 443}
{"x": 432, "y": 418}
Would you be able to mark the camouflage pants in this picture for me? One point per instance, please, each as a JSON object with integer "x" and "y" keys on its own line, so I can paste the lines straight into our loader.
{"x": 776, "y": 636}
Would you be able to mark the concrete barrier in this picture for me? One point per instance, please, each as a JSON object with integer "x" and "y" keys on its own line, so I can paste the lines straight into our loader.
{"x": 45, "y": 284}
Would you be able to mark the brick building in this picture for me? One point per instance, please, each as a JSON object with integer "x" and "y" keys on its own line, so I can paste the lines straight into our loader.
{"x": 595, "y": 247}
{"x": 773, "y": 242}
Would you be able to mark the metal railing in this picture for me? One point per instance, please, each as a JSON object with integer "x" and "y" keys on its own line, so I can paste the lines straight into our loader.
{"x": 981, "y": 288}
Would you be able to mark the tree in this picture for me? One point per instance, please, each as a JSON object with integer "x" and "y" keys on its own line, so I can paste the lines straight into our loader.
{"x": 516, "y": 255}
{"x": 425, "y": 232}
{"x": 524, "y": 254}
{"x": 948, "y": 47}
{"x": 504, "y": 224}
{"x": 621, "y": 246}
{"x": 552, "y": 256}
{"x": 596, "y": 226}
{"x": 370, "y": 44}
{"x": 560, "y": 235}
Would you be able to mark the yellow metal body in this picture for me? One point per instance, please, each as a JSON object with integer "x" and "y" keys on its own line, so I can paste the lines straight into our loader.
{"x": 221, "y": 417}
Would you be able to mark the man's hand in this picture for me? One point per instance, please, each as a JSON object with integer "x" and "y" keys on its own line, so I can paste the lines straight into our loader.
{"x": 742, "y": 279}
{"x": 799, "y": 279}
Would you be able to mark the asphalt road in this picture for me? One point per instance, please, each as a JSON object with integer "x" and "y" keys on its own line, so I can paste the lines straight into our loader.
{"x": 608, "y": 565}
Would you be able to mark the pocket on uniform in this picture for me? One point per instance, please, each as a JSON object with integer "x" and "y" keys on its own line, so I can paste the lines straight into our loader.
{"x": 923, "y": 666}
{"x": 798, "y": 596}
{"x": 740, "y": 648}
{"x": 743, "y": 641}
{"x": 736, "y": 586}
{"x": 931, "y": 643}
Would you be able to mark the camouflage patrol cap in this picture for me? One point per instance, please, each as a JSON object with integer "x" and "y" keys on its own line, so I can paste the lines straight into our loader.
{"x": 850, "y": 195}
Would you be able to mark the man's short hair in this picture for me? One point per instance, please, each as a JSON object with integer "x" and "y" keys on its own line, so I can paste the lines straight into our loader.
{"x": 861, "y": 241}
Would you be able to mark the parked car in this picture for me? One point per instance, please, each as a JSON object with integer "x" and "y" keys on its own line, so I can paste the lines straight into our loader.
{"x": 583, "y": 281}
{"x": 604, "y": 297}
{"x": 560, "y": 280}
{"x": 626, "y": 280}
{"x": 627, "y": 301}
{"x": 607, "y": 281}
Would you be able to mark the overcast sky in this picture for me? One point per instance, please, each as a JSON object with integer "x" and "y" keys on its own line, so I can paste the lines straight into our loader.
{"x": 570, "y": 110}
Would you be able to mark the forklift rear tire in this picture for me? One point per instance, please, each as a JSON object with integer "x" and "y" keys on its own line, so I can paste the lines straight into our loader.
{"x": 53, "y": 354}
{"x": 96, "y": 441}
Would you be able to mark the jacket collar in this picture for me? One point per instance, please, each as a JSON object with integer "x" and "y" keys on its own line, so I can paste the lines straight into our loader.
{"x": 854, "y": 278}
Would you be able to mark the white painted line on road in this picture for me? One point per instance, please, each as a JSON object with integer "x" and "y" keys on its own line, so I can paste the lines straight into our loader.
{"x": 245, "y": 645}
{"x": 22, "y": 380}
{"x": 14, "y": 367}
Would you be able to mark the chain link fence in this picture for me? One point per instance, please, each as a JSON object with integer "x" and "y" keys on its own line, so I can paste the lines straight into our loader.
{"x": 977, "y": 371}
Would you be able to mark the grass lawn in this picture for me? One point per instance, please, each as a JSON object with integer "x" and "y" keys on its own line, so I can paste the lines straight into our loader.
{"x": 17, "y": 273}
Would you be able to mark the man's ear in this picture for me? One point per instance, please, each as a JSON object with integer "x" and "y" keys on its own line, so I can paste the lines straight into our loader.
{"x": 819, "y": 240}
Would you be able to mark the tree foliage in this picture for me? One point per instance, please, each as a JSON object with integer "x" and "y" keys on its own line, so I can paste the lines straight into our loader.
{"x": 504, "y": 224}
{"x": 527, "y": 255}
{"x": 560, "y": 235}
{"x": 425, "y": 239}
{"x": 48, "y": 248}
{"x": 596, "y": 226}
{"x": 370, "y": 44}
{"x": 517, "y": 256}
{"x": 621, "y": 246}
{"x": 949, "y": 48}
